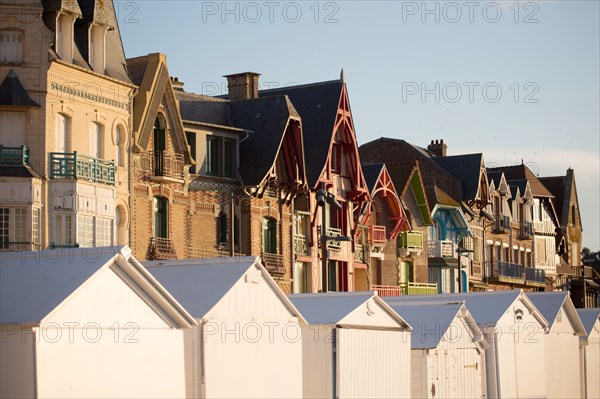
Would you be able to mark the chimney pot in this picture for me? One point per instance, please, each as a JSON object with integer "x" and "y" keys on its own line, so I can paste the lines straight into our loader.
{"x": 438, "y": 147}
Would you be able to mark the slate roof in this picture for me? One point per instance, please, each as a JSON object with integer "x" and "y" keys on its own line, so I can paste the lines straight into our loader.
{"x": 371, "y": 174}
{"x": 494, "y": 176}
{"x": 18, "y": 171}
{"x": 203, "y": 109}
{"x": 32, "y": 285}
{"x": 467, "y": 169}
{"x": 516, "y": 172}
{"x": 317, "y": 105}
{"x": 429, "y": 321}
{"x": 561, "y": 187}
{"x": 401, "y": 175}
{"x": 589, "y": 317}
{"x": 521, "y": 184}
{"x": 13, "y": 93}
{"x": 267, "y": 117}
{"x": 101, "y": 11}
{"x": 486, "y": 307}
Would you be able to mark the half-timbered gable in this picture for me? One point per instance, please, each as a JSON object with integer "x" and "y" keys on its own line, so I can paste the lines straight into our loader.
{"x": 161, "y": 163}
{"x": 332, "y": 164}
{"x": 412, "y": 244}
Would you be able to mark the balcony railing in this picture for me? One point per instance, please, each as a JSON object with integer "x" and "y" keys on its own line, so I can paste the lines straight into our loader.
{"x": 386, "y": 290}
{"x": 441, "y": 249}
{"x": 502, "y": 224}
{"x": 360, "y": 253}
{"x": 418, "y": 288}
{"x": 411, "y": 240}
{"x": 14, "y": 155}
{"x": 301, "y": 246}
{"x": 334, "y": 244}
{"x": 526, "y": 230}
{"x": 163, "y": 165}
{"x": 71, "y": 165}
{"x": 511, "y": 270}
{"x": 273, "y": 263}
{"x": 535, "y": 275}
{"x": 377, "y": 236}
{"x": 8, "y": 246}
{"x": 583, "y": 271}
{"x": 208, "y": 253}
{"x": 161, "y": 249}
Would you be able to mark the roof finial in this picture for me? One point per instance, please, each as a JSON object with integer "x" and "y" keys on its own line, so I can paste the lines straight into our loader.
{"x": 343, "y": 76}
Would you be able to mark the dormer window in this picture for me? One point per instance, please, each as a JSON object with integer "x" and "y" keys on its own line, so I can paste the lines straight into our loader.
{"x": 64, "y": 37}
{"x": 97, "y": 47}
{"x": 11, "y": 46}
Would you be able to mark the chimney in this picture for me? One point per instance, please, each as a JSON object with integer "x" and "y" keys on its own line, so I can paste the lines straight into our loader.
{"x": 438, "y": 147}
{"x": 242, "y": 86}
{"x": 177, "y": 85}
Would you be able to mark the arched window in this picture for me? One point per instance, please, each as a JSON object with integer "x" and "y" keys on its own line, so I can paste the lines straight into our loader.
{"x": 95, "y": 140}
{"x": 269, "y": 235}
{"x": 62, "y": 133}
{"x": 160, "y": 217}
{"x": 159, "y": 137}
{"x": 120, "y": 142}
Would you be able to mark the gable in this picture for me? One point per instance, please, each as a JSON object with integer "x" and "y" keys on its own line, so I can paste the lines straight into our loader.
{"x": 520, "y": 313}
{"x": 105, "y": 300}
{"x": 370, "y": 314}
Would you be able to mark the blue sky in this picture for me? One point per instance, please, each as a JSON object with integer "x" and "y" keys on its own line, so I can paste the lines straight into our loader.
{"x": 512, "y": 79}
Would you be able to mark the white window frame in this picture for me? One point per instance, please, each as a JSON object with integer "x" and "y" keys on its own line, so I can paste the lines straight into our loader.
{"x": 12, "y": 42}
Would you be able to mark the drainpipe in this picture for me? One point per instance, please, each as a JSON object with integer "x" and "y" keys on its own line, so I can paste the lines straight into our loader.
{"x": 292, "y": 241}
{"x": 232, "y": 224}
{"x": 131, "y": 175}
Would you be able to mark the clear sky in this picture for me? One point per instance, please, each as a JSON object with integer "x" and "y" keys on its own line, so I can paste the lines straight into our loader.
{"x": 516, "y": 80}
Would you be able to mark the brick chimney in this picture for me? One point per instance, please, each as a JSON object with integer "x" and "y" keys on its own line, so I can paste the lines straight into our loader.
{"x": 438, "y": 147}
{"x": 242, "y": 86}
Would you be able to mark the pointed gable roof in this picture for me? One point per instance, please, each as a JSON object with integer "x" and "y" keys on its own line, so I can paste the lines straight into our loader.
{"x": 317, "y": 104}
{"x": 152, "y": 77}
{"x": 268, "y": 119}
{"x": 562, "y": 188}
{"x": 550, "y": 304}
{"x": 589, "y": 318}
{"x": 517, "y": 172}
{"x": 468, "y": 169}
{"x": 13, "y": 93}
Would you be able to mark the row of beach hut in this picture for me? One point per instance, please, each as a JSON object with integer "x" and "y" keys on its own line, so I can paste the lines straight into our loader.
{"x": 97, "y": 323}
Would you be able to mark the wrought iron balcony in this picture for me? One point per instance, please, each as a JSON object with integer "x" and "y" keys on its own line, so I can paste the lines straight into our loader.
{"x": 161, "y": 249}
{"x": 301, "y": 246}
{"x": 441, "y": 249}
{"x": 511, "y": 270}
{"x": 418, "y": 288}
{"x": 209, "y": 252}
{"x": 273, "y": 263}
{"x": 526, "y": 230}
{"x": 535, "y": 275}
{"x": 386, "y": 290}
{"x": 377, "y": 236}
{"x": 502, "y": 224}
{"x": 71, "y": 165}
{"x": 162, "y": 166}
{"x": 14, "y": 155}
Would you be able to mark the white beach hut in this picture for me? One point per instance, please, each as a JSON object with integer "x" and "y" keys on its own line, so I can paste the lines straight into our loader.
{"x": 447, "y": 350}
{"x": 589, "y": 349}
{"x": 562, "y": 343}
{"x": 355, "y": 346}
{"x": 248, "y": 341}
{"x": 515, "y": 331}
{"x": 92, "y": 322}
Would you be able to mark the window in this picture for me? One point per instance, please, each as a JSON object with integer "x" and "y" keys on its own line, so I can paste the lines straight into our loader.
{"x": 302, "y": 278}
{"x": 11, "y": 46}
{"x": 229, "y": 159}
{"x": 12, "y": 128}
{"x": 160, "y": 219}
{"x": 95, "y": 140}
{"x": 120, "y": 150}
{"x": 191, "y": 139}
{"x": 85, "y": 231}
{"x": 212, "y": 156}
{"x": 35, "y": 226}
{"x": 4, "y": 225}
{"x": 63, "y": 232}
{"x": 62, "y": 133}
{"x": 336, "y": 159}
{"x": 20, "y": 234}
{"x": 269, "y": 236}
{"x": 332, "y": 278}
{"x": 104, "y": 232}
{"x": 222, "y": 228}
